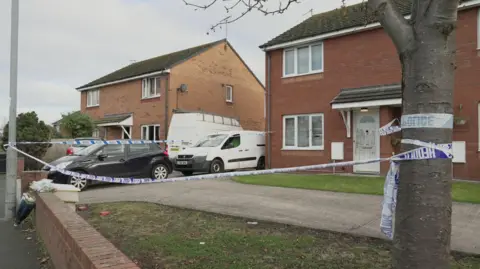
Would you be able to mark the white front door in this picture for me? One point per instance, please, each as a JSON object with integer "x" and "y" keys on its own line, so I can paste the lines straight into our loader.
{"x": 366, "y": 140}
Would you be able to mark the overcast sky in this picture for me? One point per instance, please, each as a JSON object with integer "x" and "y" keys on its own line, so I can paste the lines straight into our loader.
{"x": 67, "y": 43}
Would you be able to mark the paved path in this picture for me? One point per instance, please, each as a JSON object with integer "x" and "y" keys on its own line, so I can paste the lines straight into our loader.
{"x": 16, "y": 252}
{"x": 348, "y": 213}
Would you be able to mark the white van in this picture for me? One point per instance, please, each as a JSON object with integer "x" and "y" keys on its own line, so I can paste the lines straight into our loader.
{"x": 192, "y": 126}
{"x": 223, "y": 151}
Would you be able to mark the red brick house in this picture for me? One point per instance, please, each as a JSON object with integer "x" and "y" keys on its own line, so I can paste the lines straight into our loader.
{"x": 333, "y": 80}
{"x": 139, "y": 99}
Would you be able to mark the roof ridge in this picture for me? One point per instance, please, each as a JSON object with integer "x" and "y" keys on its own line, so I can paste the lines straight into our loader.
{"x": 182, "y": 50}
{"x": 333, "y": 20}
{"x": 150, "y": 65}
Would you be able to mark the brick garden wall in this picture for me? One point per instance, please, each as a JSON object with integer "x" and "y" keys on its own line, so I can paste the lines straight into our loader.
{"x": 71, "y": 242}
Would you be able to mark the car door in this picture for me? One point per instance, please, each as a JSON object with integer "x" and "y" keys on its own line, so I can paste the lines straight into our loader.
{"x": 138, "y": 159}
{"x": 110, "y": 161}
{"x": 231, "y": 152}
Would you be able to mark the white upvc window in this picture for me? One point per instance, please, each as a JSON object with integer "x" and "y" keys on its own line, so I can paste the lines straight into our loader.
{"x": 151, "y": 132}
{"x": 93, "y": 98}
{"x": 303, "y": 60}
{"x": 229, "y": 93}
{"x": 96, "y": 133}
{"x": 478, "y": 28}
{"x": 478, "y": 125}
{"x": 303, "y": 132}
{"x": 151, "y": 87}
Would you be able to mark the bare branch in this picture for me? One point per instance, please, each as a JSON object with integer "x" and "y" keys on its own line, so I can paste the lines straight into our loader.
{"x": 396, "y": 26}
{"x": 247, "y": 5}
{"x": 201, "y": 6}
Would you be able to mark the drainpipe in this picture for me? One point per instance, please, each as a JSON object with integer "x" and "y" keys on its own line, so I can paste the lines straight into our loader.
{"x": 167, "y": 89}
{"x": 269, "y": 112}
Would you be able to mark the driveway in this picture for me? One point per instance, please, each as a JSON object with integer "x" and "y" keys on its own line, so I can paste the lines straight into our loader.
{"x": 341, "y": 212}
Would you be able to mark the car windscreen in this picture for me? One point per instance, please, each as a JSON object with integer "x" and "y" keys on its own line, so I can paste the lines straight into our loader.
{"x": 211, "y": 141}
{"x": 89, "y": 150}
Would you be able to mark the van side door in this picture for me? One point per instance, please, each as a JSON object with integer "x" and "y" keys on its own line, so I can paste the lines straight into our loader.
{"x": 231, "y": 153}
{"x": 248, "y": 151}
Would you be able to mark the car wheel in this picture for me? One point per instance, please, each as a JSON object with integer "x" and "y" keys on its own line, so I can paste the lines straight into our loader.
{"x": 187, "y": 173}
{"x": 216, "y": 166}
{"x": 160, "y": 171}
{"x": 261, "y": 163}
{"x": 79, "y": 183}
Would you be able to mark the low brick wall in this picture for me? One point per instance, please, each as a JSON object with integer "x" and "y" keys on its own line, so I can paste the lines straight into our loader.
{"x": 71, "y": 242}
{"x": 28, "y": 177}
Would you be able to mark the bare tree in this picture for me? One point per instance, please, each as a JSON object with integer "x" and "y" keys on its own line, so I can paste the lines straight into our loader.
{"x": 426, "y": 47}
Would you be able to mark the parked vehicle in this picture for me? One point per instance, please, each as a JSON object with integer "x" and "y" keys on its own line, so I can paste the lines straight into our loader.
{"x": 191, "y": 127}
{"x": 73, "y": 149}
{"x": 223, "y": 151}
{"x": 137, "y": 161}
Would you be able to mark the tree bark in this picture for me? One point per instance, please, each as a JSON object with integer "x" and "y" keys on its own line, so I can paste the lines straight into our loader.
{"x": 426, "y": 47}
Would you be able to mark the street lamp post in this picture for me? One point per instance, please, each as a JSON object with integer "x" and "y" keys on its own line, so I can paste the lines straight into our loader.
{"x": 10, "y": 197}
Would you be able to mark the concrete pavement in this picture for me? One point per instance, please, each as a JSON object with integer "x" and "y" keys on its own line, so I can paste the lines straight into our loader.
{"x": 16, "y": 252}
{"x": 341, "y": 212}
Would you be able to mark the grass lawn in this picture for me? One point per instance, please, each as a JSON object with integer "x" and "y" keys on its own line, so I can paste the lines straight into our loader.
{"x": 462, "y": 191}
{"x": 166, "y": 237}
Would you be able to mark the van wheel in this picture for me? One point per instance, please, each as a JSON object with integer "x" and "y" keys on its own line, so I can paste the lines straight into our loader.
{"x": 216, "y": 166}
{"x": 261, "y": 163}
{"x": 187, "y": 173}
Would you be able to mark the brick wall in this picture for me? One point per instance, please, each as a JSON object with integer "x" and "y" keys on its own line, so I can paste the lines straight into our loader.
{"x": 28, "y": 177}
{"x": 365, "y": 59}
{"x": 206, "y": 76}
{"x": 71, "y": 242}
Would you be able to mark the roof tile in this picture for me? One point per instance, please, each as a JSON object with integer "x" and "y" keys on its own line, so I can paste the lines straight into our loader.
{"x": 336, "y": 20}
{"x": 369, "y": 93}
{"x": 152, "y": 65}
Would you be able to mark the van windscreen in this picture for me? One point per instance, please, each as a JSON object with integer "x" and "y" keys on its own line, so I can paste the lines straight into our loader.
{"x": 211, "y": 141}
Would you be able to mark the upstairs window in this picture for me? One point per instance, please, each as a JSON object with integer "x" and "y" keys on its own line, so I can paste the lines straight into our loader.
{"x": 93, "y": 98}
{"x": 151, "y": 87}
{"x": 303, "y": 60}
{"x": 229, "y": 94}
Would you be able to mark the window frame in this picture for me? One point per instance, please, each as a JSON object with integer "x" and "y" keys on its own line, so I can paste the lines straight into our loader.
{"x": 295, "y": 117}
{"x": 142, "y": 132}
{"x": 96, "y": 133}
{"x": 90, "y": 96}
{"x": 478, "y": 29}
{"x": 310, "y": 62}
{"x": 124, "y": 136}
{"x": 478, "y": 125}
{"x": 146, "y": 89}
{"x": 227, "y": 88}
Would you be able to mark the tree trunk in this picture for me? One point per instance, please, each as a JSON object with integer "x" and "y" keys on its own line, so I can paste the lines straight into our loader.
{"x": 426, "y": 45}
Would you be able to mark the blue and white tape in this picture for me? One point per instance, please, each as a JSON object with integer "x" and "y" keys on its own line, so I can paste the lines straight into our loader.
{"x": 429, "y": 120}
{"x": 389, "y": 129}
{"x": 426, "y": 151}
{"x": 221, "y": 175}
{"x": 389, "y": 203}
{"x": 100, "y": 142}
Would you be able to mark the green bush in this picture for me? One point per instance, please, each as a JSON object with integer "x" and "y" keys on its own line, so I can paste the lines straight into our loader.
{"x": 77, "y": 124}
{"x": 31, "y": 129}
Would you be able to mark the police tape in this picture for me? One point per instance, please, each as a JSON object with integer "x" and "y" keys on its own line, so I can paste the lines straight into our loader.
{"x": 425, "y": 152}
{"x": 99, "y": 142}
{"x": 110, "y": 142}
{"x": 415, "y": 154}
